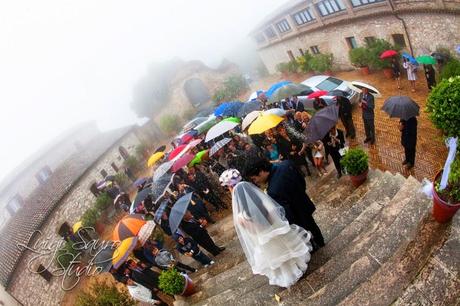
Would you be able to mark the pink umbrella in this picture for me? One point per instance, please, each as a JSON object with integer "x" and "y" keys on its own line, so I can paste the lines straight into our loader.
{"x": 183, "y": 161}
{"x": 317, "y": 94}
{"x": 177, "y": 151}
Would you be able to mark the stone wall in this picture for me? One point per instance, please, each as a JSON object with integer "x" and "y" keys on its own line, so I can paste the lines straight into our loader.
{"x": 427, "y": 31}
{"x": 32, "y": 289}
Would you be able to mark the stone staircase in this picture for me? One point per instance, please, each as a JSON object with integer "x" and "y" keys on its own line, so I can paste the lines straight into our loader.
{"x": 382, "y": 248}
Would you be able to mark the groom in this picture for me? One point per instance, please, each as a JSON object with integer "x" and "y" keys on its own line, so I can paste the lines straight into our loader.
{"x": 286, "y": 185}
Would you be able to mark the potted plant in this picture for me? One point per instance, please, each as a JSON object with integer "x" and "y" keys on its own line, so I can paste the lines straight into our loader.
{"x": 443, "y": 107}
{"x": 375, "y": 49}
{"x": 174, "y": 283}
{"x": 355, "y": 163}
{"x": 283, "y": 68}
{"x": 361, "y": 58}
{"x": 322, "y": 63}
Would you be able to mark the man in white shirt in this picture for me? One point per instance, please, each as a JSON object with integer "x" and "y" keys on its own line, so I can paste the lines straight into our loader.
{"x": 141, "y": 293}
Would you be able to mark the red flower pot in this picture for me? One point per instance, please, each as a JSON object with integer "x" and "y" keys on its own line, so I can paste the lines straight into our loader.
{"x": 442, "y": 211}
{"x": 388, "y": 72}
{"x": 189, "y": 287}
{"x": 357, "y": 180}
{"x": 364, "y": 70}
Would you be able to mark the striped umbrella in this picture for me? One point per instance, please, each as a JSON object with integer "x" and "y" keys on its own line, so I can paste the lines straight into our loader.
{"x": 129, "y": 226}
{"x": 123, "y": 251}
{"x": 218, "y": 145}
{"x": 146, "y": 231}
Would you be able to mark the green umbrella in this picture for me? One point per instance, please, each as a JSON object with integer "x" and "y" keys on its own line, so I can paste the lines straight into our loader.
{"x": 205, "y": 126}
{"x": 288, "y": 90}
{"x": 232, "y": 119}
{"x": 198, "y": 158}
{"x": 426, "y": 60}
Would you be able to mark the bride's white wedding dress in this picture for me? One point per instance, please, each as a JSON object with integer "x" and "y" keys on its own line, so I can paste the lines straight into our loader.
{"x": 272, "y": 246}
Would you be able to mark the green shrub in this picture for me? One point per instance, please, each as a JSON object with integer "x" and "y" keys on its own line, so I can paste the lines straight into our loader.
{"x": 104, "y": 294}
{"x": 132, "y": 163}
{"x": 171, "y": 282}
{"x": 450, "y": 69}
{"x": 443, "y": 106}
{"x": 141, "y": 150}
{"x": 122, "y": 179}
{"x": 170, "y": 123}
{"x": 66, "y": 254}
{"x": 282, "y": 67}
{"x": 293, "y": 66}
{"x": 90, "y": 217}
{"x": 355, "y": 161}
{"x": 304, "y": 62}
{"x": 360, "y": 57}
{"x": 102, "y": 202}
{"x": 451, "y": 193}
{"x": 375, "y": 49}
{"x": 321, "y": 62}
{"x": 231, "y": 88}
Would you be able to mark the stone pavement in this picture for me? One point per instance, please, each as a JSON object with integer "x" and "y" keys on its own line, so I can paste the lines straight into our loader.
{"x": 387, "y": 153}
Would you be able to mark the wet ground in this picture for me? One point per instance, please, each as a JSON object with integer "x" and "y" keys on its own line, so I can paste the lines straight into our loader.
{"x": 387, "y": 153}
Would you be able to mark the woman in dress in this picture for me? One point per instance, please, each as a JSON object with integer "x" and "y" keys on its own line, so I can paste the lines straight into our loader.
{"x": 272, "y": 246}
{"x": 318, "y": 156}
{"x": 411, "y": 72}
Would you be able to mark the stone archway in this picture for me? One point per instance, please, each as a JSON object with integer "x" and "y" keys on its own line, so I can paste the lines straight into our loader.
{"x": 196, "y": 92}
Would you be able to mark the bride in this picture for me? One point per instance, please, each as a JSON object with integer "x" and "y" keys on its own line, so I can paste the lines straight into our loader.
{"x": 272, "y": 246}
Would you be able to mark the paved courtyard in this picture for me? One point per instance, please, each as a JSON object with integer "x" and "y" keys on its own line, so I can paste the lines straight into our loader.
{"x": 387, "y": 153}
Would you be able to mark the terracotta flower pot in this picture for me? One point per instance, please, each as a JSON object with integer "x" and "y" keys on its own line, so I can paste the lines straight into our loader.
{"x": 388, "y": 72}
{"x": 189, "y": 287}
{"x": 442, "y": 211}
{"x": 357, "y": 180}
{"x": 364, "y": 70}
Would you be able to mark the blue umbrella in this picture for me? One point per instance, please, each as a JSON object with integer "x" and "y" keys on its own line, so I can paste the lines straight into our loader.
{"x": 228, "y": 109}
{"x": 274, "y": 87}
{"x": 409, "y": 57}
{"x": 458, "y": 49}
{"x": 140, "y": 181}
{"x": 178, "y": 211}
{"x": 140, "y": 196}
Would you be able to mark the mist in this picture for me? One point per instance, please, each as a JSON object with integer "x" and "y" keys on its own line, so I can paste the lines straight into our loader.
{"x": 65, "y": 62}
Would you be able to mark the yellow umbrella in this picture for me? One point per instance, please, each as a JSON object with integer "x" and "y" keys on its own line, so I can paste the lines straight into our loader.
{"x": 263, "y": 123}
{"x": 77, "y": 226}
{"x": 122, "y": 252}
{"x": 154, "y": 158}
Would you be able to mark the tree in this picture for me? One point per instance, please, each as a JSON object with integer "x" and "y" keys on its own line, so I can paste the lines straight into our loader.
{"x": 102, "y": 293}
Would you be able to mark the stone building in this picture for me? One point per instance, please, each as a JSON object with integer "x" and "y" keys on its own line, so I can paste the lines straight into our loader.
{"x": 336, "y": 26}
{"x": 52, "y": 208}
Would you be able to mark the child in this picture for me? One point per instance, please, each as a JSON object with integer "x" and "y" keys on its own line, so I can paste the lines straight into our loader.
{"x": 318, "y": 156}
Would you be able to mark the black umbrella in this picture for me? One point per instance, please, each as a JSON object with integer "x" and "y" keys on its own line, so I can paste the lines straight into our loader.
{"x": 103, "y": 257}
{"x": 321, "y": 123}
{"x": 140, "y": 196}
{"x": 248, "y": 107}
{"x": 160, "y": 149}
{"x": 401, "y": 107}
{"x": 178, "y": 211}
{"x": 160, "y": 186}
{"x": 440, "y": 57}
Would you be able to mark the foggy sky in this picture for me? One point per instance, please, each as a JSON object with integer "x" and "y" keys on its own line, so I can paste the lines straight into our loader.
{"x": 63, "y": 62}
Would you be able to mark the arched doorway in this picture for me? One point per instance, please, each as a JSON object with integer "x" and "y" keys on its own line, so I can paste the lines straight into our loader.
{"x": 196, "y": 92}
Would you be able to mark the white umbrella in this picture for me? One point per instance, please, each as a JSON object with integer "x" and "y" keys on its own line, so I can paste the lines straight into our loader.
{"x": 146, "y": 231}
{"x": 218, "y": 145}
{"x": 219, "y": 129}
{"x": 374, "y": 91}
{"x": 276, "y": 111}
{"x": 249, "y": 119}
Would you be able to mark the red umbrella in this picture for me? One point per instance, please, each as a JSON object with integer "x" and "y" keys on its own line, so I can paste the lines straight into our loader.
{"x": 182, "y": 162}
{"x": 388, "y": 53}
{"x": 317, "y": 94}
{"x": 176, "y": 151}
{"x": 186, "y": 138}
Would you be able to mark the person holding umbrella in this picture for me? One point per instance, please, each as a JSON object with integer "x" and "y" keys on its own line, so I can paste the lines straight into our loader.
{"x": 346, "y": 116}
{"x": 367, "y": 106}
{"x": 430, "y": 76}
{"x": 335, "y": 141}
{"x": 411, "y": 69}
{"x": 396, "y": 71}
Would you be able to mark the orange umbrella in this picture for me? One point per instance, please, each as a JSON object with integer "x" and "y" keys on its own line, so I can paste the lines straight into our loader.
{"x": 129, "y": 226}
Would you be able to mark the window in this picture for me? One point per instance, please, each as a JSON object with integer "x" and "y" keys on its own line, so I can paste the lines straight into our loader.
{"x": 357, "y": 3}
{"x": 123, "y": 152}
{"x": 314, "y": 49}
{"x": 114, "y": 167}
{"x": 352, "y": 44}
{"x": 44, "y": 174}
{"x": 14, "y": 204}
{"x": 44, "y": 273}
{"x": 103, "y": 173}
{"x": 283, "y": 26}
{"x": 301, "y": 52}
{"x": 303, "y": 17}
{"x": 369, "y": 40}
{"x": 399, "y": 40}
{"x": 329, "y": 84}
{"x": 270, "y": 32}
{"x": 260, "y": 38}
{"x": 291, "y": 55}
{"x": 328, "y": 7}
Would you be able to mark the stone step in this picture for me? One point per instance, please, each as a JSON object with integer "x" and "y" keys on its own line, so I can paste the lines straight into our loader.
{"x": 439, "y": 281}
{"x": 397, "y": 233}
{"x": 388, "y": 283}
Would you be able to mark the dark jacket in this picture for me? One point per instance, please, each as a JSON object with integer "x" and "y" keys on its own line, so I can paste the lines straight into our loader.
{"x": 409, "y": 132}
{"x": 345, "y": 108}
{"x": 188, "y": 246}
{"x": 337, "y": 146}
{"x": 286, "y": 185}
{"x": 368, "y": 109}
